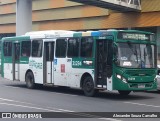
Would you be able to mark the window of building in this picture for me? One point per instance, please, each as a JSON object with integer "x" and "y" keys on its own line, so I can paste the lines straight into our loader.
{"x": 61, "y": 46}
{"x": 26, "y": 48}
{"x": 7, "y": 48}
{"x": 73, "y": 47}
{"x": 37, "y": 48}
{"x": 86, "y": 47}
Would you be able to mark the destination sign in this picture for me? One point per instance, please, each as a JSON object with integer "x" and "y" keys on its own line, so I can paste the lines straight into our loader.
{"x": 135, "y": 36}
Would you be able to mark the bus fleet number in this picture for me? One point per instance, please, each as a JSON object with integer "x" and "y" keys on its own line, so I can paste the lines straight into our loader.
{"x": 77, "y": 63}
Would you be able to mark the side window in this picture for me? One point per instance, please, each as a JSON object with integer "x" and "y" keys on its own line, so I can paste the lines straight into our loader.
{"x": 73, "y": 47}
{"x": 7, "y": 49}
{"x": 37, "y": 48}
{"x": 26, "y": 48}
{"x": 61, "y": 46}
{"x": 86, "y": 47}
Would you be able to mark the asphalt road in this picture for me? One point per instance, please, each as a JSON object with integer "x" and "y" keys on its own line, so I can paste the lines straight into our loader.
{"x": 15, "y": 97}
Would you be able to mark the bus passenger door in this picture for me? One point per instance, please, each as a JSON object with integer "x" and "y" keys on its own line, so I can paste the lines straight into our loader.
{"x": 48, "y": 58}
{"x": 104, "y": 64}
{"x": 16, "y": 60}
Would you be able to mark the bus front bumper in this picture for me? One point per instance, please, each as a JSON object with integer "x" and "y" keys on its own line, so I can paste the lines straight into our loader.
{"x": 120, "y": 85}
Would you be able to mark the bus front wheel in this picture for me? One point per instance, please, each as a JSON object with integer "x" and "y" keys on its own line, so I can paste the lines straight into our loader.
{"x": 88, "y": 86}
{"x": 30, "y": 80}
{"x": 124, "y": 93}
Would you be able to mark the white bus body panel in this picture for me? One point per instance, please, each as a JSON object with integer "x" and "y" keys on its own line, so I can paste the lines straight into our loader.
{"x": 60, "y": 76}
{"x": 65, "y": 75}
{"x": 8, "y": 73}
{"x": 109, "y": 84}
{"x": 36, "y": 65}
{"x": 76, "y": 75}
{"x": 22, "y": 71}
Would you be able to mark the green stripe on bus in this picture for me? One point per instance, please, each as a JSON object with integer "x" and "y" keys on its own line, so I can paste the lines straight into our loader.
{"x": 77, "y": 35}
{"x": 20, "y": 38}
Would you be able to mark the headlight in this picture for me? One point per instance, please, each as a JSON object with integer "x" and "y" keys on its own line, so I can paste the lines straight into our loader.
{"x": 121, "y": 78}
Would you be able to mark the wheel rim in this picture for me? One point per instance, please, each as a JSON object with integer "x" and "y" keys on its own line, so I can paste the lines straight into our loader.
{"x": 88, "y": 86}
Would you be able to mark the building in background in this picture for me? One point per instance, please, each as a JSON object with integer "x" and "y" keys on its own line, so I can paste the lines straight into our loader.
{"x": 63, "y": 14}
{"x": 67, "y": 15}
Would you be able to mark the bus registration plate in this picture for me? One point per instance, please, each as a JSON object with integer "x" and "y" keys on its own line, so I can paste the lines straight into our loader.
{"x": 141, "y": 85}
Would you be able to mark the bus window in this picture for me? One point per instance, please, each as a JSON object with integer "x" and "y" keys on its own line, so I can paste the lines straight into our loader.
{"x": 7, "y": 49}
{"x": 37, "y": 48}
{"x": 73, "y": 47}
{"x": 26, "y": 48}
{"x": 61, "y": 46}
{"x": 86, "y": 47}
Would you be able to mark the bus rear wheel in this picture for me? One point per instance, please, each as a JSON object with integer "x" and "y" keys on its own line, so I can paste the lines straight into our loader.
{"x": 88, "y": 86}
{"x": 30, "y": 80}
{"x": 124, "y": 93}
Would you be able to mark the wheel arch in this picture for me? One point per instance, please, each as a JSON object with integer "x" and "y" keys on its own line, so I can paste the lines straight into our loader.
{"x": 83, "y": 77}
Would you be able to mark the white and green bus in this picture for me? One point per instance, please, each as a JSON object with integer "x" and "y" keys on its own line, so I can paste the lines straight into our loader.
{"x": 123, "y": 60}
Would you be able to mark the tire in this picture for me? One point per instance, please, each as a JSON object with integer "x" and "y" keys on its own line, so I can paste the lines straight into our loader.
{"x": 30, "y": 80}
{"x": 124, "y": 93}
{"x": 88, "y": 86}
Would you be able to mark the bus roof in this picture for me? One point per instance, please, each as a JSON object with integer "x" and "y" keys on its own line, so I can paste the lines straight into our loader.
{"x": 48, "y": 32}
{"x": 65, "y": 33}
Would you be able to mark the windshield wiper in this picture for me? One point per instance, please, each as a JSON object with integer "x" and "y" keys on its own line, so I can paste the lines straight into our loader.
{"x": 134, "y": 51}
{"x": 131, "y": 48}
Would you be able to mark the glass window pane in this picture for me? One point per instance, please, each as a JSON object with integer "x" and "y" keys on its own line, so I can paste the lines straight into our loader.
{"x": 61, "y": 46}
{"x": 136, "y": 55}
{"x": 7, "y": 49}
{"x": 26, "y": 48}
{"x": 37, "y": 48}
{"x": 73, "y": 47}
{"x": 86, "y": 47}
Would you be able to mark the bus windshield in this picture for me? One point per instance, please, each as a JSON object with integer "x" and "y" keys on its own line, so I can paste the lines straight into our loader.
{"x": 131, "y": 55}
